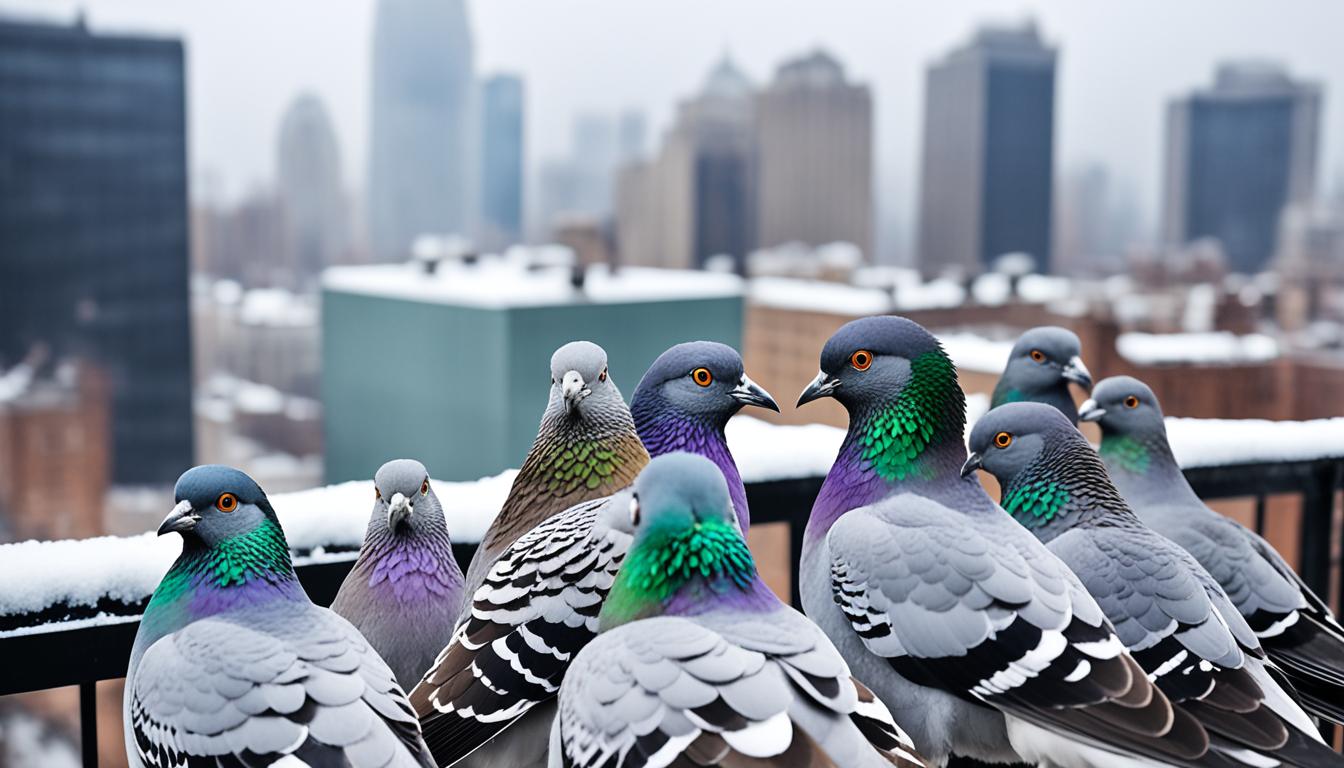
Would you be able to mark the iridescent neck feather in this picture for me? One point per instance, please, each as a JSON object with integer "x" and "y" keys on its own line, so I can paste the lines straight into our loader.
{"x": 664, "y": 430}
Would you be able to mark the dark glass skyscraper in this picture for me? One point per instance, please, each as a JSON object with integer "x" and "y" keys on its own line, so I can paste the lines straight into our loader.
{"x": 1237, "y": 153}
{"x": 988, "y": 160}
{"x": 93, "y": 226}
{"x": 501, "y": 160}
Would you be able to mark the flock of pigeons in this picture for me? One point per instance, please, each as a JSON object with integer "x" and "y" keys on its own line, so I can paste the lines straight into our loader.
{"x": 1098, "y": 615}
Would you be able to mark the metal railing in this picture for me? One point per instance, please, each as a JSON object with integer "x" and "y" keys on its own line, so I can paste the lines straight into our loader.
{"x": 68, "y": 649}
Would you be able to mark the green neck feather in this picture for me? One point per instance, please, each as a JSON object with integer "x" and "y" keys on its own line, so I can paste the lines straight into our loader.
{"x": 1125, "y": 452}
{"x": 1035, "y": 503}
{"x": 260, "y": 555}
{"x": 677, "y": 570}
{"x": 931, "y": 404}
{"x": 582, "y": 464}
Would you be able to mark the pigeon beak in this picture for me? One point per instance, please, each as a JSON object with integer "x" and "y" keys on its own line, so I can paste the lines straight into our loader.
{"x": 573, "y": 388}
{"x": 748, "y": 392}
{"x": 973, "y": 462}
{"x": 1076, "y": 372}
{"x": 1090, "y": 411}
{"x": 399, "y": 510}
{"x": 182, "y": 519}
{"x": 822, "y": 386}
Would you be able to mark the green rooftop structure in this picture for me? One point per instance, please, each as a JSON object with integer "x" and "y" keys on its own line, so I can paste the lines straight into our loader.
{"x": 450, "y": 363}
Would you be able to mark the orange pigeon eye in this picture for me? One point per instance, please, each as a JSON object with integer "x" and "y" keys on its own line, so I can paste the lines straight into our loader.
{"x": 226, "y": 502}
{"x": 424, "y": 487}
{"x": 1038, "y": 355}
{"x": 377, "y": 494}
{"x": 1003, "y": 440}
{"x": 861, "y": 360}
{"x": 1131, "y": 402}
{"x": 603, "y": 375}
{"x": 702, "y": 376}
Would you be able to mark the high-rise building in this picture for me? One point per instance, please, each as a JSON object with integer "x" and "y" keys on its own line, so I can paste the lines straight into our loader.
{"x": 312, "y": 196}
{"x": 814, "y": 136}
{"x": 93, "y": 226}
{"x": 501, "y": 160}
{"x": 1236, "y": 154}
{"x": 1096, "y": 221}
{"x": 988, "y": 157}
{"x": 423, "y": 137}
{"x": 696, "y": 198}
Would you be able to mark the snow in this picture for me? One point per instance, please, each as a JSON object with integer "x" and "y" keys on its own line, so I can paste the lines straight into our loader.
{"x": 818, "y": 296}
{"x": 15, "y": 381}
{"x": 1213, "y": 347}
{"x": 521, "y": 278}
{"x": 1220, "y": 442}
{"x": 26, "y": 739}
{"x": 277, "y": 308}
{"x": 976, "y": 353}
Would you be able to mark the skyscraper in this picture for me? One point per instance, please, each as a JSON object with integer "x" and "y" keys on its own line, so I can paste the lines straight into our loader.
{"x": 312, "y": 195}
{"x": 988, "y": 158}
{"x": 93, "y": 226}
{"x": 422, "y": 164}
{"x": 815, "y": 156}
{"x": 696, "y": 198}
{"x": 501, "y": 160}
{"x": 1237, "y": 153}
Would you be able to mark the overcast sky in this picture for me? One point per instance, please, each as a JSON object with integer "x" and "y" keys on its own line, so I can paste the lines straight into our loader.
{"x": 1119, "y": 62}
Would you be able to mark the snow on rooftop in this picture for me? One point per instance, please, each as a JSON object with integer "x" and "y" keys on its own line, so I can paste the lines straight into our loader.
{"x": 15, "y": 381}
{"x": 970, "y": 352}
{"x": 517, "y": 279}
{"x": 277, "y": 308}
{"x": 1213, "y": 347}
{"x": 818, "y": 296}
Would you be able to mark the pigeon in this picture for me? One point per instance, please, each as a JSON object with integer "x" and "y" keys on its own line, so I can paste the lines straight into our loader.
{"x": 686, "y": 398}
{"x": 1040, "y": 368}
{"x": 234, "y": 665}
{"x": 982, "y": 642}
{"x": 586, "y": 448}
{"x": 1175, "y": 619}
{"x": 405, "y": 590}
{"x": 1295, "y": 626}
{"x": 538, "y": 604}
{"x": 698, "y": 662}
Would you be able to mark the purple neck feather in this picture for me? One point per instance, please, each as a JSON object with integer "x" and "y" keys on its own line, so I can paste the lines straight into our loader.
{"x": 410, "y": 568}
{"x": 698, "y": 598}
{"x": 669, "y": 432}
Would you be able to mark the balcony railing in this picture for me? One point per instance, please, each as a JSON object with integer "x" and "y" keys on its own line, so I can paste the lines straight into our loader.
{"x": 68, "y": 644}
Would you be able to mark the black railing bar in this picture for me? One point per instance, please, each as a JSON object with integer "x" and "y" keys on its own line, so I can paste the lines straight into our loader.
{"x": 88, "y": 722}
{"x": 1260, "y": 514}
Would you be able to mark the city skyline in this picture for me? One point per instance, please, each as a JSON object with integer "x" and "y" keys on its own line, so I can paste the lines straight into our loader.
{"x": 1110, "y": 103}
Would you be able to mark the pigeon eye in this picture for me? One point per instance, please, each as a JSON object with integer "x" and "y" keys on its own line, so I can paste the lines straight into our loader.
{"x": 226, "y": 502}
{"x": 702, "y": 376}
{"x": 1131, "y": 402}
{"x": 634, "y": 510}
{"x": 861, "y": 360}
{"x": 424, "y": 487}
{"x": 603, "y": 375}
{"x": 1003, "y": 440}
{"x": 1038, "y": 355}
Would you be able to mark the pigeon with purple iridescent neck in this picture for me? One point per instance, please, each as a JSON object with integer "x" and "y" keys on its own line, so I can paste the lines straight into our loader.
{"x": 405, "y": 590}
{"x": 685, "y": 400}
{"x": 699, "y": 663}
{"x": 1296, "y": 627}
{"x": 234, "y": 665}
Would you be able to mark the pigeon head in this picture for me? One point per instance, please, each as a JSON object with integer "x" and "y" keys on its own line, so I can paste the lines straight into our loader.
{"x": 1010, "y": 439}
{"x": 872, "y": 359}
{"x": 404, "y": 499}
{"x": 579, "y": 379}
{"x": 703, "y": 379}
{"x": 1043, "y": 363}
{"x": 688, "y": 554}
{"x": 1124, "y": 406}
{"x": 216, "y": 504}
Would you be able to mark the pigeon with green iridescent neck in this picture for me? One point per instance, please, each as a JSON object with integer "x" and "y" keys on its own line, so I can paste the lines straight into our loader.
{"x": 234, "y": 665}
{"x": 1044, "y": 361}
{"x": 405, "y": 590}
{"x": 981, "y": 641}
{"x": 1171, "y": 614}
{"x": 685, "y": 400}
{"x": 1295, "y": 626}
{"x": 699, "y": 663}
{"x": 538, "y": 605}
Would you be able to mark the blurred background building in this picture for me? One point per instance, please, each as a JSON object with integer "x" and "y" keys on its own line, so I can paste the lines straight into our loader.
{"x": 314, "y": 217}
{"x": 501, "y": 161}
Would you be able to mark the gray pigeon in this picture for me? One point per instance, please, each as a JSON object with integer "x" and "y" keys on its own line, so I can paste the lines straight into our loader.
{"x": 1044, "y": 361}
{"x": 405, "y": 590}
{"x": 1174, "y": 618}
{"x": 234, "y": 665}
{"x": 1295, "y": 626}
{"x": 538, "y": 604}
{"x": 698, "y": 662}
{"x": 982, "y": 642}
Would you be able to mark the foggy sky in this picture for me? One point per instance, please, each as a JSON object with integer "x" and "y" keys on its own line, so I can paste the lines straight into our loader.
{"x": 1119, "y": 62}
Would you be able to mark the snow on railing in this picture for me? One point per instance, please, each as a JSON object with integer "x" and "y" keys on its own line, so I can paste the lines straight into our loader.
{"x": 328, "y": 523}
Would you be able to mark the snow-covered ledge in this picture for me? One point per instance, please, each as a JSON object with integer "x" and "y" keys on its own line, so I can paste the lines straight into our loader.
{"x": 328, "y": 523}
